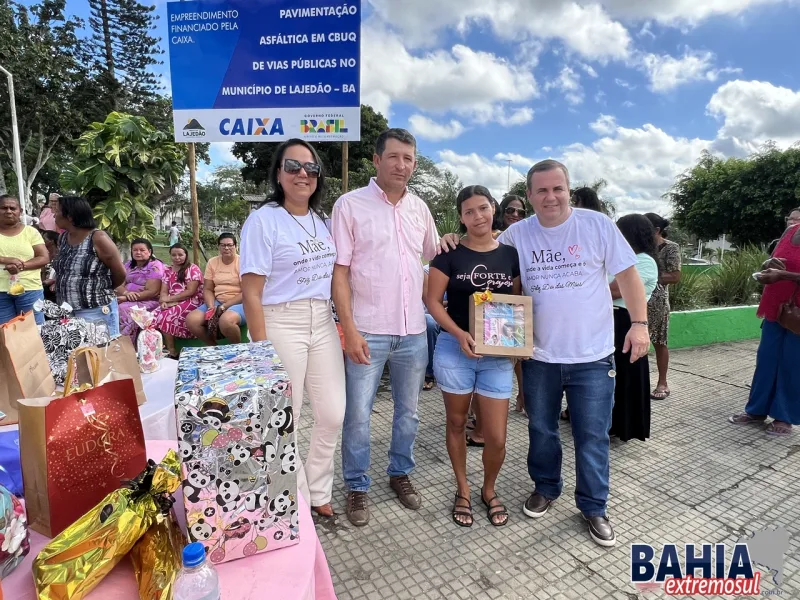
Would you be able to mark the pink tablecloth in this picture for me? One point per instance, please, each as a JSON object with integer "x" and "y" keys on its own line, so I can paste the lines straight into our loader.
{"x": 297, "y": 572}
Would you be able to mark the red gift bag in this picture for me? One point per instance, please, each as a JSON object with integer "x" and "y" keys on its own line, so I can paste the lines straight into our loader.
{"x": 77, "y": 448}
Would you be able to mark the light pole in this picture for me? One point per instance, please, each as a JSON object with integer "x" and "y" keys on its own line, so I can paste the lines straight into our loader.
{"x": 508, "y": 178}
{"x": 15, "y": 139}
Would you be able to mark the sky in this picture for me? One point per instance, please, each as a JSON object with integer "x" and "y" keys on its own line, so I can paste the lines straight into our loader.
{"x": 631, "y": 91}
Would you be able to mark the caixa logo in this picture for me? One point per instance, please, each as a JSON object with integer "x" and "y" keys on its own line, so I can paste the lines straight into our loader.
{"x": 252, "y": 126}
{"x": 706, "y": 570}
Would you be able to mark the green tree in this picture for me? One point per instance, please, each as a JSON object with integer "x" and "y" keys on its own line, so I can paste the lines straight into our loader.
{"x": 257, "y": 157}
{"x": 54, "y": 91}
{"x": 125, "y": 50}
{"x": 746, "y": 199}
{"x": 122, "y": 166}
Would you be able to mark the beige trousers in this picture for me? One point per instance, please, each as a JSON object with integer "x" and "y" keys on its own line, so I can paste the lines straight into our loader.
{"x": 307, "y": 342}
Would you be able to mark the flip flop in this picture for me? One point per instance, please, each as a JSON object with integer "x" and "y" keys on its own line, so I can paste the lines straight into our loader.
{"x": 473, "y": 443}
{"x": 660, "y": 394}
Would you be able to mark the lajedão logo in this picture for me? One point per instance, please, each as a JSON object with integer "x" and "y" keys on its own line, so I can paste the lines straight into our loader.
{"x": 194, "y": 129}
{"x": 252, "y": 126}
{"x": 711, "y": 569}
{"x": 323, "y": 126}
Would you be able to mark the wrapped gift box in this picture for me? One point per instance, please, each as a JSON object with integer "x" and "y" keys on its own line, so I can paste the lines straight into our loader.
{"x": 237, "y": 442}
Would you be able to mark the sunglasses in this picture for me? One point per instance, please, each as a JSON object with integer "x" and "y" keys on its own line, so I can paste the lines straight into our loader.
{"x": 520, "y": 212}
{"x": 293, "y": 167}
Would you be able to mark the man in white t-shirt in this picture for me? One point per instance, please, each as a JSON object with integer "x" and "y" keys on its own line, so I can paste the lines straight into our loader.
{"x": 565, "y": 255}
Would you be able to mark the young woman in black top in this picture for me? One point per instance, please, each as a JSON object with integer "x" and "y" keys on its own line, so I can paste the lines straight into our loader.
{"x": 477, "y": 264}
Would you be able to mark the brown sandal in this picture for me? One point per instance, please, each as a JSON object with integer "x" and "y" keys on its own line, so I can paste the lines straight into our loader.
{"x": 326, "y": 510}
{"x": 492, "y": 512}
{"x": 462, "y": 511}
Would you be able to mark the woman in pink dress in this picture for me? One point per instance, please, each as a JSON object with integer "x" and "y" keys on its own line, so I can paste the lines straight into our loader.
{"x": 142, "y": 285}
{"x": 181, "y": 293}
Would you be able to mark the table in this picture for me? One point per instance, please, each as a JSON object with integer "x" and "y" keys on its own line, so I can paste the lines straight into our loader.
{"x": 158, "y": 413}
{"x": 298, "y": 572}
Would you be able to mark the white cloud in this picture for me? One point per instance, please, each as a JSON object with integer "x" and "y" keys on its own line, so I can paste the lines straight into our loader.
{"x": 645, "y": 31}
{"x": 667, "y": 72}
{"x": 589, "y": 70}
{"x": 680, "y": 12}
{"x": 429, "y": 129}
{"x": 604, "y": 125}
{"x": 640, "y": 165}
{"x": 461, "y": 80}
{"x": 547, "y": 148}
{"x": 473, "y": 169}
{"x": 587, "y": 30}
{"x": 568, "y": 82}
{"x": 628, "y": 104}
{"x": 753, "y": 112}
{"x": 221, "y": 152}
{"x": 624, "y": 84}
{"x": 600, "y": 97}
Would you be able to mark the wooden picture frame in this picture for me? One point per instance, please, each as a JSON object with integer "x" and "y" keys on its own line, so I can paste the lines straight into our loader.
{"x": 503, "y": 326}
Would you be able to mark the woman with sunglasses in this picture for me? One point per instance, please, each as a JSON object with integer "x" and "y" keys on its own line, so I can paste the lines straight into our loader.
{"x": 287, "y": 264}
{"x": 512, "y": 210}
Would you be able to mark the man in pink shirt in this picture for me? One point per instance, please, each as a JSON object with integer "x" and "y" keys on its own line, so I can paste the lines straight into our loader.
{"x": 381, "y": 232}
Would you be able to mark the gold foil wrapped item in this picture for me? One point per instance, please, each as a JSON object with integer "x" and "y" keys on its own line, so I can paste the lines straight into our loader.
{"x": 157, "y": 559}
{"x": 78, "y": 558}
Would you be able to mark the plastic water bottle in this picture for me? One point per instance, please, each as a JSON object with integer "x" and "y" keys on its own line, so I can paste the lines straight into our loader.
{"x": 198, "y": 579}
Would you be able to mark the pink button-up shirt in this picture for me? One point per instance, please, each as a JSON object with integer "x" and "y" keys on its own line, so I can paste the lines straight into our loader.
{"x": 382, "y": 244}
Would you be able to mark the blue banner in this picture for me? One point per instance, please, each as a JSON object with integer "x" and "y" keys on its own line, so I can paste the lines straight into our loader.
{"x": 265, "y": 70}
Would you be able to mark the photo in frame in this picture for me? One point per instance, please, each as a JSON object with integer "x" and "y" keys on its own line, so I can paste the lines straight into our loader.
{"x": 502, "y": 325}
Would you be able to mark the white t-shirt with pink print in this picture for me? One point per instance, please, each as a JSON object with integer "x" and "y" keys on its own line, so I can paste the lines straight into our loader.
{"x": 564, "y": 269}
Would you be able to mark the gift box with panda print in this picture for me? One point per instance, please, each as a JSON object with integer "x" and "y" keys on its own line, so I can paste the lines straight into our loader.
{"x": 237, "y": 443}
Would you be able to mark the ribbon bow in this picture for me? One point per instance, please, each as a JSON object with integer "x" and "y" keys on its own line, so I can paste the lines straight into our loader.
{"x": 481, "y": 297}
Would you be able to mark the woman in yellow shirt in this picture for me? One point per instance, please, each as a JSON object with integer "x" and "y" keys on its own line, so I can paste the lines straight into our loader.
{"x": 22, "y": 256}
{"x": 222, "y": 292}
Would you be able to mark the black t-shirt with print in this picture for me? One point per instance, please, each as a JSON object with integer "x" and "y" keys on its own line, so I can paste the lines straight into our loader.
{"x": 470, "y": 271}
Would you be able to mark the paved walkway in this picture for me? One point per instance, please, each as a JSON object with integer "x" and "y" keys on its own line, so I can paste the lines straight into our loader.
{"x": 698, "y": 479}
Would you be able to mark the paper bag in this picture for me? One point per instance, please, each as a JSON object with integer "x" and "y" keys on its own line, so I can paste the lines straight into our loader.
{"x": 77, "y": 448}
{"x": 24, "y": 370}
{"x": 118, "y": 357}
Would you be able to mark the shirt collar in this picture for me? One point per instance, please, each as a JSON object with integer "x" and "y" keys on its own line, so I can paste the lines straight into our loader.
{"x": 376, "y": 189}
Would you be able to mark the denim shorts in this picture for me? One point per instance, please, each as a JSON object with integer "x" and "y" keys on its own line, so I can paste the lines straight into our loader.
{"x": 236, "y": 308}
{"x": 108, "y": 314}
{"x": 456, "y": 373}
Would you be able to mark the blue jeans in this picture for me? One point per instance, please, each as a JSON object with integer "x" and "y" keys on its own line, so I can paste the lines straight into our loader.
{"x": 108, "y": 314}
{"x": 13, "y": 306}
{"x": 236, "y": 308}
{"x": 590, "y": 398}
{"x": 776, "y": 381}
{"x": 407, "y": 357}
{"x": 433, "y": 333}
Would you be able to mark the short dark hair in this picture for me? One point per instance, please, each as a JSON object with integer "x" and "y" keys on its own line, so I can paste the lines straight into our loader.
{"x": 277, "y": 196}
{"x": 5, "y": 197}
{"x": 401, "y": 135}
{"x": 78, "y": 211}
{"x": 639, "y": 232}
{"x": 467, "y": 193}
{"x": 174, "y": 222}
{"x": 50, "y": 235}
{"x": 546, "y": 165}
{"x": 149, "y": 247}
{"x": 181, "y": 275}
{"x": 586, "y": 197}
{"x": 226, "y": 236}
{"x": 659, "y": 223}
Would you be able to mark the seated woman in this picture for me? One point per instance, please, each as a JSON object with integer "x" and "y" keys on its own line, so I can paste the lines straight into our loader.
{"x": 222, "y": 293}
{"x": 181, "y": 293}
{"x": 631, "y": 414}
{"x": 142, "y": 285}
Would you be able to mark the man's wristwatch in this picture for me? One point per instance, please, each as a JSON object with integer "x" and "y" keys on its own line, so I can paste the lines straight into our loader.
{"x": 639, "y": 323}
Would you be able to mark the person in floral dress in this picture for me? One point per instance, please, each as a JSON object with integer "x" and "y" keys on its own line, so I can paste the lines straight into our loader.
{"x": 181, "y": 293}
{"x": 142, "y": 285}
